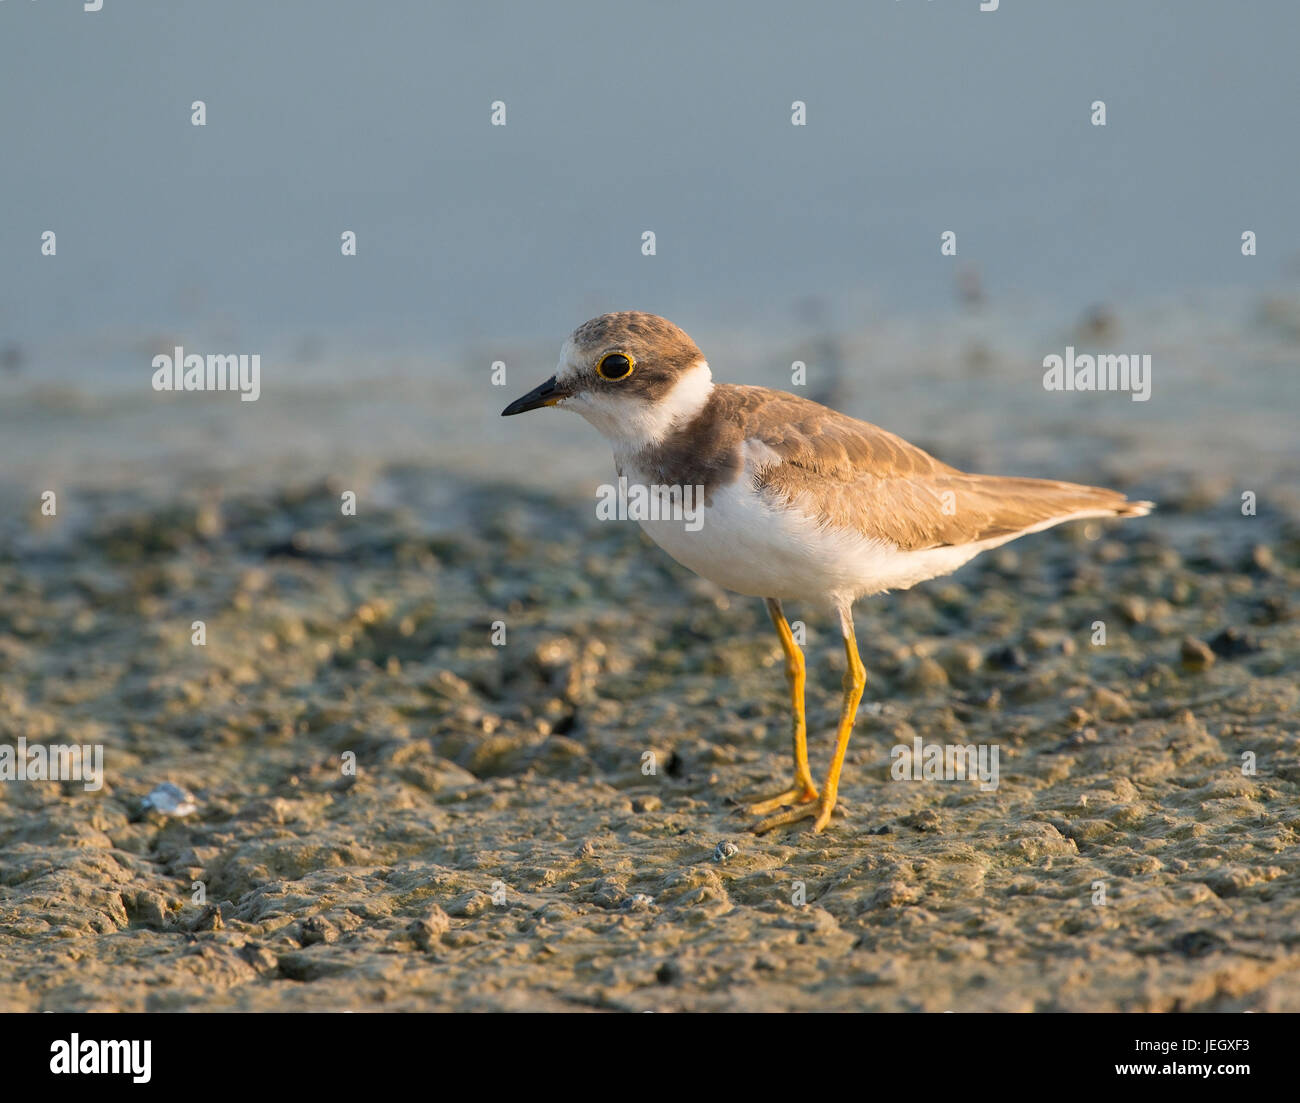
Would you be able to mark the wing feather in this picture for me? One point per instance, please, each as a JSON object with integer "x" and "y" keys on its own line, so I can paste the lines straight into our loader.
{"x": 860, "y": 477}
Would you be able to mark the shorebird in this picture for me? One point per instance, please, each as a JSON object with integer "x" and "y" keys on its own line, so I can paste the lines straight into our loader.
{"x": 800, "y": 502}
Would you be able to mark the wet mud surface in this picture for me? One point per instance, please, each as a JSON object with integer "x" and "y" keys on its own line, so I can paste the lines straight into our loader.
{"x": 539, "y": 821}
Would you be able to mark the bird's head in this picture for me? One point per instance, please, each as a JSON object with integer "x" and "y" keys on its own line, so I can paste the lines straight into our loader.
{"x": 634, "y": 376}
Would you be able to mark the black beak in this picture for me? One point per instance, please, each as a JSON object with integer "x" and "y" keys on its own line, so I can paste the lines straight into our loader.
{"x": 548, "y": 394}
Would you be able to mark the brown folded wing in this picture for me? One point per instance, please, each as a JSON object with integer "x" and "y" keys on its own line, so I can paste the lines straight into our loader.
{"x": 856, "y": 476}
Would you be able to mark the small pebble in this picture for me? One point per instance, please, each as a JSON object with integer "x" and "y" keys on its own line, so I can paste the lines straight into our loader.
{"x": 1133, "y": 609}
{"x": 926, "y": 819}
{"x": 427, "y": 931}
{"x": 209, "y": 919}
{"x": 1262, "y": 558}
{"x": 1195, "y": 654}
{"x": 317, "y": 929}
{"x": 925, "y": 674}
{"x": 469, "y": 904}
{"x": 961, "y": 658}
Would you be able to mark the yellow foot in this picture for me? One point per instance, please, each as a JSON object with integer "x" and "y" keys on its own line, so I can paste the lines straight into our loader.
{"x": 797, "y": 794}
{"x": 821, "y": 810}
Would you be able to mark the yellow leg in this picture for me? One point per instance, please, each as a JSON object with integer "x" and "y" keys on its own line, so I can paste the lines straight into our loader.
{"x": 855, "y": 680}
{"x": 802, "y": 791}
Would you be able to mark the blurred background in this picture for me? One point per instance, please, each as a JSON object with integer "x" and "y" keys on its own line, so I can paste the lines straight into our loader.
{"x": 775, "y": 243}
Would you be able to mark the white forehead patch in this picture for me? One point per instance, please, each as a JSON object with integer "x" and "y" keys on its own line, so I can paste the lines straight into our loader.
{"x": 566, "y": 369}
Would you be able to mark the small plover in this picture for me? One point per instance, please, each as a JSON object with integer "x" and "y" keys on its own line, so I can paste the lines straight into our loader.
{"x": 800, "y": 502}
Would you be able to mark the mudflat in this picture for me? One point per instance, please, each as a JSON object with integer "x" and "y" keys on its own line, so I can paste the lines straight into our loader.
{"x": 482, "y": 751}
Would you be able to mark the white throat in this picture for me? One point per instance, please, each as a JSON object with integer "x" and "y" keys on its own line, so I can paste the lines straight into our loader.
{"x": 632, "y": 426}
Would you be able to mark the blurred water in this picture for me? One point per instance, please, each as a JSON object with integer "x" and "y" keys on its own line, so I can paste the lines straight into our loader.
{"x": 922, "y": 116}
{"x": 775, "y": 243}
{"x": 967, "y": 386}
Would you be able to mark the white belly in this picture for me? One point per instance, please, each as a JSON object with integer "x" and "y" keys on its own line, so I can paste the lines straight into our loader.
{"x": 751, "y": 545}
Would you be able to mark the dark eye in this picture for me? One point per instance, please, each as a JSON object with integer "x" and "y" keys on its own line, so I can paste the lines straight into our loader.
{"x": 615, "y": 366}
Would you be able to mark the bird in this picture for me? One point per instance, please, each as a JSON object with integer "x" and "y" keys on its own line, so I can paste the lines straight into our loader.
{"x": 799, "y": 501}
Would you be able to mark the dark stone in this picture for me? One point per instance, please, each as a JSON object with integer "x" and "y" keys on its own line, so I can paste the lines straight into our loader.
{"x": 1198, "y": 943}
{"x": 1232, "y": 643}
{"x": 1007, "y": 658}
{"x": 668, "y": 973}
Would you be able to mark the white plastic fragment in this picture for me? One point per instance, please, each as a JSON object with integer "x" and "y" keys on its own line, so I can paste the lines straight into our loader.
{"x": 170, "y": 800}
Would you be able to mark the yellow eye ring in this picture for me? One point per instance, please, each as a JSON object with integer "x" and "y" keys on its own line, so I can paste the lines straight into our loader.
{"x": 615, "y": 366}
